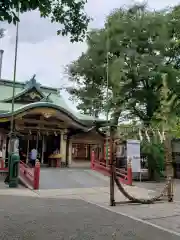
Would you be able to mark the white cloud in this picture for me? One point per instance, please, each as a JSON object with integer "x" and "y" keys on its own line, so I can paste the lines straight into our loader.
{"x": 43, "y": 53}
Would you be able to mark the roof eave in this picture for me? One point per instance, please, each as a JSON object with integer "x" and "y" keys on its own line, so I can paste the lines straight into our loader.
{"x": 45, "y": 104}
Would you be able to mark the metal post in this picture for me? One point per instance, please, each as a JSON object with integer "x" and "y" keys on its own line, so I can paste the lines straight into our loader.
{"x": 112, "y": 169}
{"x": 111, "y": 160}
{"x": 14, "y": 81}
{"x": 1, "y": 62}
{"x": 107, "y": 88}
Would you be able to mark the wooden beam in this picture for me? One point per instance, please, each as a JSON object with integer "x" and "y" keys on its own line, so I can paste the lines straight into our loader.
{"x": 22, "y": 128}
{"x": 86, "y": 141}
{"x": 40, "y": 122}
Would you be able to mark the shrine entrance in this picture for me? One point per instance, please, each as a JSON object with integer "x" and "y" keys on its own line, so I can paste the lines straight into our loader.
{"x": 45, "y": 145}
{"x": 82, "y": 151}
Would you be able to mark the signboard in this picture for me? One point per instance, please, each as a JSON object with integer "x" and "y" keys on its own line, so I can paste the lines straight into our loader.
{"x": 133, "y": 153}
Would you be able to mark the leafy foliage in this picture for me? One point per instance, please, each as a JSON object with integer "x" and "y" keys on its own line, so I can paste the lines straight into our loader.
{"x": 136, "y": 56}
{"x": 154, "y": 152}
{"x": 69, "y": 13}
{"x": 142, "y": 46}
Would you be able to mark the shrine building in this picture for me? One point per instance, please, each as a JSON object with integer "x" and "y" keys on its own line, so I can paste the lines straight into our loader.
{"x": 43, "y": 121}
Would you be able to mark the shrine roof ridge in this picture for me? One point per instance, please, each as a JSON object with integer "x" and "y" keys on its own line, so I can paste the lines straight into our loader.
{"x": 23, "y": 84}
{"x": 48, "y": 94}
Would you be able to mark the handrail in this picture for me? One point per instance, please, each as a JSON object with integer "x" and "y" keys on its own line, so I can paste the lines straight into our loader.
{"x": 2, "y": 165}
{"x": 30, "y": 175}
{"x": 125, "y": 176}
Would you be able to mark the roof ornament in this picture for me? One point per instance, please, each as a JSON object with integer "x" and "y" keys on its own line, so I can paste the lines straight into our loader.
{"x": 32, "y": 82}
{"x": 33, "y": 79}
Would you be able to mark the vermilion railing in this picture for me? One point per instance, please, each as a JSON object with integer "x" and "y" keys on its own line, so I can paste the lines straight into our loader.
{"x": 2, "y": 165}
{"x": 28, "y": 175}
{"x": 125, "y": 176}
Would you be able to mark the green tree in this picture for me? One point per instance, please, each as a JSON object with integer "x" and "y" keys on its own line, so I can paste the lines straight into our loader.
{"x": 90, "y": 74}
{"x": 149, "y": 48}
{"x": 143, "y": 45}
{"x": 69, "y": 14}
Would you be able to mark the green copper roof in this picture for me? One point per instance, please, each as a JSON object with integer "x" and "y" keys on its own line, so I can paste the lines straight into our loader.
{"x": 52, "y": 93}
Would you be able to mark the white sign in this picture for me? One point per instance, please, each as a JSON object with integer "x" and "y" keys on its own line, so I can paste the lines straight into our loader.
{"x": 133, "y": 153}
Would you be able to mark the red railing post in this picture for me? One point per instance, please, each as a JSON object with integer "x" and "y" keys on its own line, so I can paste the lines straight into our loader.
{"x": 92, "y": 159}
{"x": 36, "y": 175}
{"x": 2, "y": 164}
{"x": 129, "y": 171}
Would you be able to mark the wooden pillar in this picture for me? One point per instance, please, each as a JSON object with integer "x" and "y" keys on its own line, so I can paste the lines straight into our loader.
{"x": 42, "y": 152}
{"x": 27, "y": 153}
{"x": 86, "y": 147}
{"x": 70, "y": 153}
{"x": 4, "y": 138}
{"x": 37, "y": 141}
{"x": 63, "y": 143}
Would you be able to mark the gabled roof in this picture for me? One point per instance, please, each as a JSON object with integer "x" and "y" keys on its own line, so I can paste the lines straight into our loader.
{"x": 30, "y": 94}
{"x": 47, "y": 94}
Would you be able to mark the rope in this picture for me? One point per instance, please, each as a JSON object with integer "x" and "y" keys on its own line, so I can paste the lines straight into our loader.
{"x": 139, "y": 200}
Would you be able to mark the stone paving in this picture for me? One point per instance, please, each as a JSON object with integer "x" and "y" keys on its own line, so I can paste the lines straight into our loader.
{"x": 163, "y": 214}
{"x": 24, "y": 218}
{"x": 70, "y": 178}
{"x": 157, "y": 187}
{"x": 95, "y": 190}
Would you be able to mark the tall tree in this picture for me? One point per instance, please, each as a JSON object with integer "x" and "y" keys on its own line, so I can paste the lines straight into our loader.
{"x": 69, "y": 13}
{"x": 143, "y": 45}
{"x": 97, "y": 71}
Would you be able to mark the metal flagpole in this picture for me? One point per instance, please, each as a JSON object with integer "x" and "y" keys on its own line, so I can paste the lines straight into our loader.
{"x": 11, "y": 144}
{"x": 14, "y": 77}
{"x": 107, "y": 87}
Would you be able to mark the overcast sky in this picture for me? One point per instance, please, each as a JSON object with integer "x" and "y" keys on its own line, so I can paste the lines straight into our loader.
{"x": 43, "y": 53}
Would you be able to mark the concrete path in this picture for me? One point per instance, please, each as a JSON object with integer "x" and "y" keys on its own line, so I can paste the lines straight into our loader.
{"x": 93, "y": 187}
{"x": 70, "y": 178}
{"x": 24, "y": 218}
{"x": 158, "y": 186}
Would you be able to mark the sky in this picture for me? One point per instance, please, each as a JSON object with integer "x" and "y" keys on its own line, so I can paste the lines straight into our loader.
{"x": 42, "y": 52}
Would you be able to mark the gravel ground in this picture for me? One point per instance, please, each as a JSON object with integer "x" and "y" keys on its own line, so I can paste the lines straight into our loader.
{"x": 24, "y": 218}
